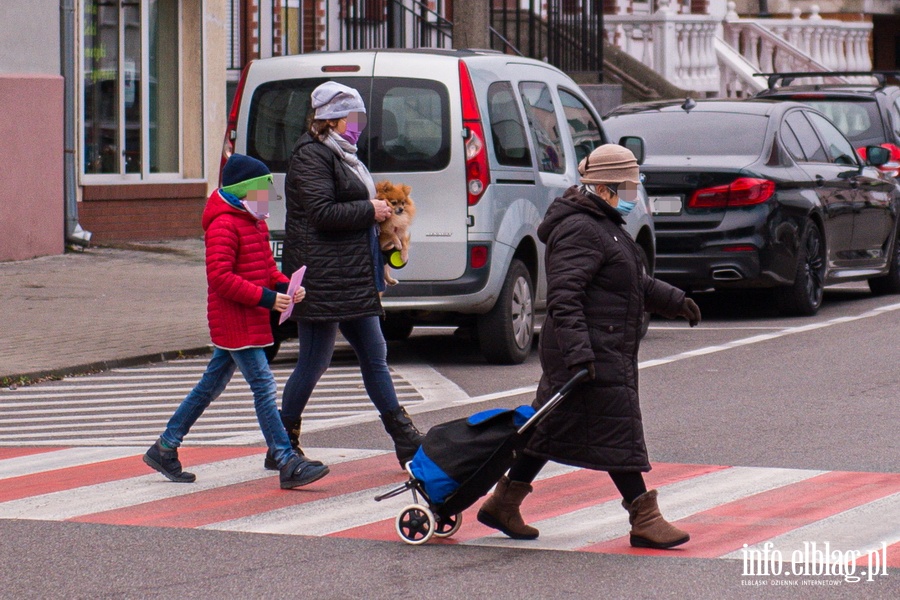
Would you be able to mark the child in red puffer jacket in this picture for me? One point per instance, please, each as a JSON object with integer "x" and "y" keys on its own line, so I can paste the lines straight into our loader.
{"x": 244, "y": 286}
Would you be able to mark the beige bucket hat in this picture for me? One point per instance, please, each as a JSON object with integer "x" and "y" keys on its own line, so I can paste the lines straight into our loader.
{"x": 609, "y": 163}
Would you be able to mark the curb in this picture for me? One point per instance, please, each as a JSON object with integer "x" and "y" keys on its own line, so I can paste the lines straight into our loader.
{"x": 104, "y": 365}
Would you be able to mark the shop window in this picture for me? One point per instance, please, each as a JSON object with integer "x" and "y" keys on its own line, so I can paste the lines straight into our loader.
{"x": 131, "y": 88}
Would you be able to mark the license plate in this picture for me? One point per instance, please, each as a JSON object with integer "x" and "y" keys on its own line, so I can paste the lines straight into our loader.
{"x": 276, "y": 248}
{"x": 666, "y": 205}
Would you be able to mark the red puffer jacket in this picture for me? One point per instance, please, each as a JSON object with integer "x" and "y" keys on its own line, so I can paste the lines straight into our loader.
{"x": 239, "y": 265}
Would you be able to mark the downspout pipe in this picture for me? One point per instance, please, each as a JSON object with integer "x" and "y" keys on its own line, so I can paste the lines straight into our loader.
{"x": 74, "y": 234}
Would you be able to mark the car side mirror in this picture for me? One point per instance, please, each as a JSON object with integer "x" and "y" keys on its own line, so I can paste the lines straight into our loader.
{"x": 877, "y": 156}
{"x": 636, "y": 145}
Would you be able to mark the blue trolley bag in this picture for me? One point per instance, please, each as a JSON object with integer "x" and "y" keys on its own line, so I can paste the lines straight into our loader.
{"x": 461, "y": 460}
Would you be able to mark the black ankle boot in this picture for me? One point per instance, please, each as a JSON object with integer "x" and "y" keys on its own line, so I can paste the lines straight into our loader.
{"x": 407, "y": 438}
{"x": 298, "y": 472}
{"x": 292, "y": 426}
{"x": 165, "y": 460}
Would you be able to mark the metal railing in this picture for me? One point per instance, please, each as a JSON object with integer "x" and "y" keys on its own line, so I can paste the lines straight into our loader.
{"x": 264, "y": 28}
{"x": 565, "y": 33}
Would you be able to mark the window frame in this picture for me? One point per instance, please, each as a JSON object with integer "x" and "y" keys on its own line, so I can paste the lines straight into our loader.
{"x": 144, "y": 176}
{"x": 601, "y": 133}
{"x": 559, "y": 142}
{"x": 825, "y": 143}
{"x": 799, "y": 114}
{"x": 510, "y": 88}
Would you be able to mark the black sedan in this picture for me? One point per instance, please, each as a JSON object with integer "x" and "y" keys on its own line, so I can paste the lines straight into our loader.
{"x": 763, "y": 194}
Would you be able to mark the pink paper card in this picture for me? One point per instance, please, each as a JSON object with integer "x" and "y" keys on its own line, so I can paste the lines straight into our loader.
{"x": 296, "y": 280}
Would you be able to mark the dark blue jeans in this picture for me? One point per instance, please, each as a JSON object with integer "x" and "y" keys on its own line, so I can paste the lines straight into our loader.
{"x": 253, "y": 365}
{"x": 316, "y": 342}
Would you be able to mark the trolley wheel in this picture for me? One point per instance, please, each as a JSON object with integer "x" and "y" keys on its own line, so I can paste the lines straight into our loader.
{"x": 415, "y": 524}
{"x": 447, "y": 527}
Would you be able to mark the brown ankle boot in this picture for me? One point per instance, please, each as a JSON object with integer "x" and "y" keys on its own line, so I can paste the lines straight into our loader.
{"x": 648, "y": 527}
{"x": 501, "y": 510}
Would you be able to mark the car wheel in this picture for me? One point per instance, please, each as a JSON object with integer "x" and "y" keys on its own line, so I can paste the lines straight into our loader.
{"x": 645, "y": 324}
{"x": 890, "y": 283}
{"x": 804, "y": 297}
{"x": 507, "y": 331}
{"x": 396, "y": 328}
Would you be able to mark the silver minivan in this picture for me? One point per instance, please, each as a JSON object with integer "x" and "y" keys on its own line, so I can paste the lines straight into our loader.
{"x": 485, "y": 140}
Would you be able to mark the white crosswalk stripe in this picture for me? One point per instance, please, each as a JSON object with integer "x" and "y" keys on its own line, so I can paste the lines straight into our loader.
{"x": 132, "y": 405}
{"x": 721, "y": 505}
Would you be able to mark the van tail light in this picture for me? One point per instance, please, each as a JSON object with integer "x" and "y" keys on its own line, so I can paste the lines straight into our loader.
{"x": 231, "y": 128}
{"x": 477, "y": 173}
{"x": 478, "y": 256}
{"x": 892, "y": 167}
{"x": 745, "y": 191}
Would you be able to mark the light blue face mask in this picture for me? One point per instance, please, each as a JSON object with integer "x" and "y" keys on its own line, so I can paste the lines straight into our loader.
{"x": 625, "y": 207}
{"x": 628, "y": 196}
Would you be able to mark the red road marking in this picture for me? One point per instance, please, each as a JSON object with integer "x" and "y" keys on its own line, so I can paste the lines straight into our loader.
{"x": 252, "y": 497}
{"x": 105, "y": 471}
{"x": 10, "y": 452}
{"x": 762, "y": 516}
{"x": 552, "y": 497}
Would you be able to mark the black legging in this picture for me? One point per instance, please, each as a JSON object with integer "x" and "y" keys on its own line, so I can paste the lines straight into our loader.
{"x": 629, "y": 483}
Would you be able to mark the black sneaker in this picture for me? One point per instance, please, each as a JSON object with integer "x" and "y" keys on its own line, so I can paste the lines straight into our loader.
{"x": 166, "y": 462}
{"x": 272, "y": 465}
{"x": 298, "y": 472}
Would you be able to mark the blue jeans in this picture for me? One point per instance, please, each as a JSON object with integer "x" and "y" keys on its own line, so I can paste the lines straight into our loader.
{"x": 253, "y": 365}
{"x": 316, "y": 341}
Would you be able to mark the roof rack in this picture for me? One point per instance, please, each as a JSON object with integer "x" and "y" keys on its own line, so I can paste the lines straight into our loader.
{"x": 787, "y": 78}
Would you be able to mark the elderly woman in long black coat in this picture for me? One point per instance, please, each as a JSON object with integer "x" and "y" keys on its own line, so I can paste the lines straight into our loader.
{"x": 597, "y": 292}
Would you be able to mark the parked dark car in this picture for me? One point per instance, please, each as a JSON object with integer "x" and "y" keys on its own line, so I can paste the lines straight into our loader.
{"x": 868, "y": 114}
{"x": 763, "y": 194}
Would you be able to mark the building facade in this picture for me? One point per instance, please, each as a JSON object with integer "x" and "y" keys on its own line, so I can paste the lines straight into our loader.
{"x": 116, "y": 111}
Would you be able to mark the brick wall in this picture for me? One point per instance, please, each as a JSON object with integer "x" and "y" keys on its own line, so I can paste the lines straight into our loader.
{"x": 142, "y": 212}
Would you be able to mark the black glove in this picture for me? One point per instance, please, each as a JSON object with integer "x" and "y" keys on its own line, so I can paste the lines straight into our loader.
{"x": 592, "y": 372}
{"x": 690, "y": 311}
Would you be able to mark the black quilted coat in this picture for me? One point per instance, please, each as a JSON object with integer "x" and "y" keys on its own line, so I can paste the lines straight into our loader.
{"x": 329, "y": 224}
{"x": 597, "y": 292}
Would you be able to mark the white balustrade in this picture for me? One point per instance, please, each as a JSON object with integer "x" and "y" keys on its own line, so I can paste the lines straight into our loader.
{"x": 686, "y": 49}
{"x": 679, "y": 47}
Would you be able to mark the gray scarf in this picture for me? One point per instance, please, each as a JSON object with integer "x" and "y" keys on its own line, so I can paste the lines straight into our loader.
{"x": 347, "y": 153}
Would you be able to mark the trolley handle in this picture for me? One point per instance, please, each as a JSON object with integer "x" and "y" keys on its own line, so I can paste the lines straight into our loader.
{"x": 554, "y": 400}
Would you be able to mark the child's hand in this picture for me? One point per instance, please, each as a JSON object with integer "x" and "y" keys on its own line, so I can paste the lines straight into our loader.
{"x": 299, "y": 295}
{"x": 282, "y": 301}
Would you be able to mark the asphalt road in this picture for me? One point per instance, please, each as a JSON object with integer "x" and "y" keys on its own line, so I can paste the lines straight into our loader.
{"x": 744, "y": 389}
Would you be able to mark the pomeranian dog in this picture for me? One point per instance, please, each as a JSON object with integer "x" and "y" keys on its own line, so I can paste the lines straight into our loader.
{"x": 395, "y": 230}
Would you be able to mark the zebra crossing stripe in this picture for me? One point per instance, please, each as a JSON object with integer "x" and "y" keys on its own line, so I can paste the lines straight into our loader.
{"x": 7, "y": 452}
{"x": 256, "y": 500}
{"x": 853, "y": 528}
{"x": 582, "y": 489}
{"x": 88, "y": 486}
{"x": 723, "y": 529}
{"x": 90, "y": 489}
{"x": 722, "y": 507}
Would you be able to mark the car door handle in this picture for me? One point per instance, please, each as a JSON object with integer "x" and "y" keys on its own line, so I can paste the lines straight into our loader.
{"x": 820, "y": 181}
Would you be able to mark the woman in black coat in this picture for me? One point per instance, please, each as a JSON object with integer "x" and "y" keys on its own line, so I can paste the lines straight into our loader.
{"x": 331, "y": 229}
{"x": 597, "y": 292}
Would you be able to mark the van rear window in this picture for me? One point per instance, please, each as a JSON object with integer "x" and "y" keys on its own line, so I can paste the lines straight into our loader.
{"x": 408, "y": 129}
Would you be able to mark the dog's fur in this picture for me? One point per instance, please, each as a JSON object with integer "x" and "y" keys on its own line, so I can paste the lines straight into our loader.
{"x": 395, "y": 229}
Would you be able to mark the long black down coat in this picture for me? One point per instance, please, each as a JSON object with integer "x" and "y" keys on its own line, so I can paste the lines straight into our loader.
{"x": 597, "y": 292}
{"x": 330, "y": 221}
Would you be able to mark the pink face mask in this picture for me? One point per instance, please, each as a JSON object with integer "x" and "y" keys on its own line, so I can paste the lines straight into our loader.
{"x": 356, "y": 123}
{"x": 257, "y": 202}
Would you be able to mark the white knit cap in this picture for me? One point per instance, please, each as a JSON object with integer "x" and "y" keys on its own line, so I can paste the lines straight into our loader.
{"x": 333, "y": 100}
{"x": 609, "y": 163}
